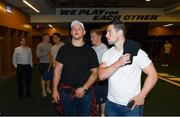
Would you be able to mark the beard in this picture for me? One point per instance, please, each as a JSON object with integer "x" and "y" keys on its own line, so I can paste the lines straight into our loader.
{"x": 112, "y": 42}
{"x": 77, "y": 37}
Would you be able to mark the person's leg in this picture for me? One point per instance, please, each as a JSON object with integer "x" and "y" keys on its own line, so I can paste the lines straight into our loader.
{"x": 68, "y": 104}
{"x": 102, "y": 109}
{"x": 113, "y": 109}
{"x": 28, "y": 79}
{"x": 48, "y": 89}
{"x": 103, "y": 87}
{"x": 138, "y": 111}
{"x": 43, "y": 67}
{"x": 84, "y": 104}
{"x": 48, "y": 86}
{"x": 98, "y": 94}
{"x": 166, "y": 60}
{"x": 20, "y": 81}
{"x": 43, "y": 83}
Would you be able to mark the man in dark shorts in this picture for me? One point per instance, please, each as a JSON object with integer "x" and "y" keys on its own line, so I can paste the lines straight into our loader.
{"x": 44, "y": 54}
{"x": 102, "y": 86}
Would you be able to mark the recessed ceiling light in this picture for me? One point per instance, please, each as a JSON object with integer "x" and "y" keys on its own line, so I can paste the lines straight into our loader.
{"x": 27, "y": 3}
{"x": 50, "y": 25}
{"x": 148, "y": 0}
{"x": 167, "y": 25}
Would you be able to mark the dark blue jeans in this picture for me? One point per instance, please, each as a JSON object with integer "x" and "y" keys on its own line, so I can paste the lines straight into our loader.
{"x": 76, "y": 106}
{"x": 113, "y": 109}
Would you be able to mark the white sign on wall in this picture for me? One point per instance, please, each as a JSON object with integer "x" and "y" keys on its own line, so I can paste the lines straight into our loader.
{"x": 107, "y": 14}
{"x": 104, "y": 14}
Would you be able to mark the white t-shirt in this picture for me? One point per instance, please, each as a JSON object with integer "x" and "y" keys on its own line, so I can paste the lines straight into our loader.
{"x": 100, "y": 50}
{"x": 54, "y": 50}
{"x": 125, "y": 83}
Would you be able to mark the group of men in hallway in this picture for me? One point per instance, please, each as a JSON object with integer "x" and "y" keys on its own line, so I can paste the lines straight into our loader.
{"x": 77, "y": 67}
{"x": 46, "y": 55}
{"x": 22, "y": 61}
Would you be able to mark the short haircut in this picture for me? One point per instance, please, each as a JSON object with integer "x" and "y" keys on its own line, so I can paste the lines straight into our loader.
{"x": 57, "y": 34}
{"x": 22, "y": 39}
{"x": 97, "y": 31}
{"x": 118, "y": 25}
{"x": 45, "y": 34}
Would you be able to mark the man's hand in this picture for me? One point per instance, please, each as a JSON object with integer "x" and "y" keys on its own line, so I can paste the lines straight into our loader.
{"x": 79, "y": 93}
{"x": 55, "y": 96}
{"x": 124, "y": 59}
{"x": 138, "y": 101}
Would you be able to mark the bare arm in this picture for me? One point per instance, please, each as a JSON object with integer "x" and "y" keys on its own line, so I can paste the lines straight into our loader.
{"x": 53, "y": 57}
{"x": 149, "y": 83}
{"x": 91, "y": 80}
{"x": 50, "y": 61}
{"x": 56, "y": 79}
{"x": 105, "y": 72}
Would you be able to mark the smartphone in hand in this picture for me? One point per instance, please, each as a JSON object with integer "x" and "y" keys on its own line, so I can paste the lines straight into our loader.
{"x": 130, "y": 104}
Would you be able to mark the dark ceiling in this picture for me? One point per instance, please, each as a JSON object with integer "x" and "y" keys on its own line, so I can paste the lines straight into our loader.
{"x": 49, "y": 6}
{"x": 111, "y": 3}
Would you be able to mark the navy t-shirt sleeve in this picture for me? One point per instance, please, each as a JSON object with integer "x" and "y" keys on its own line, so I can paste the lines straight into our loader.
{"x": 93, "y": 59}
{"x": 60, "y": 55}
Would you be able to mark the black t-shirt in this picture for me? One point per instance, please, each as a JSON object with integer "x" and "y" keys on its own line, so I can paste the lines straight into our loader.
{"x": 77, "y": 62}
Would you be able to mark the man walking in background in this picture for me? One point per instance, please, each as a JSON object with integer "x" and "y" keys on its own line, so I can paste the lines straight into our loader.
{"x": 100, "y": 86}
{"x": 43, "y": 52}
{"x": 57, "y": 45}
{"x": 167, "y": 51}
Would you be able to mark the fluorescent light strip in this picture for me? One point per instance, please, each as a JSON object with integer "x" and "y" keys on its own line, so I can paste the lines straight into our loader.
{"x": 168, "y": 25}
{"x": 50, "y": 25}
{"x": 148, "y": 0}
{"x": 27, "y": 3}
